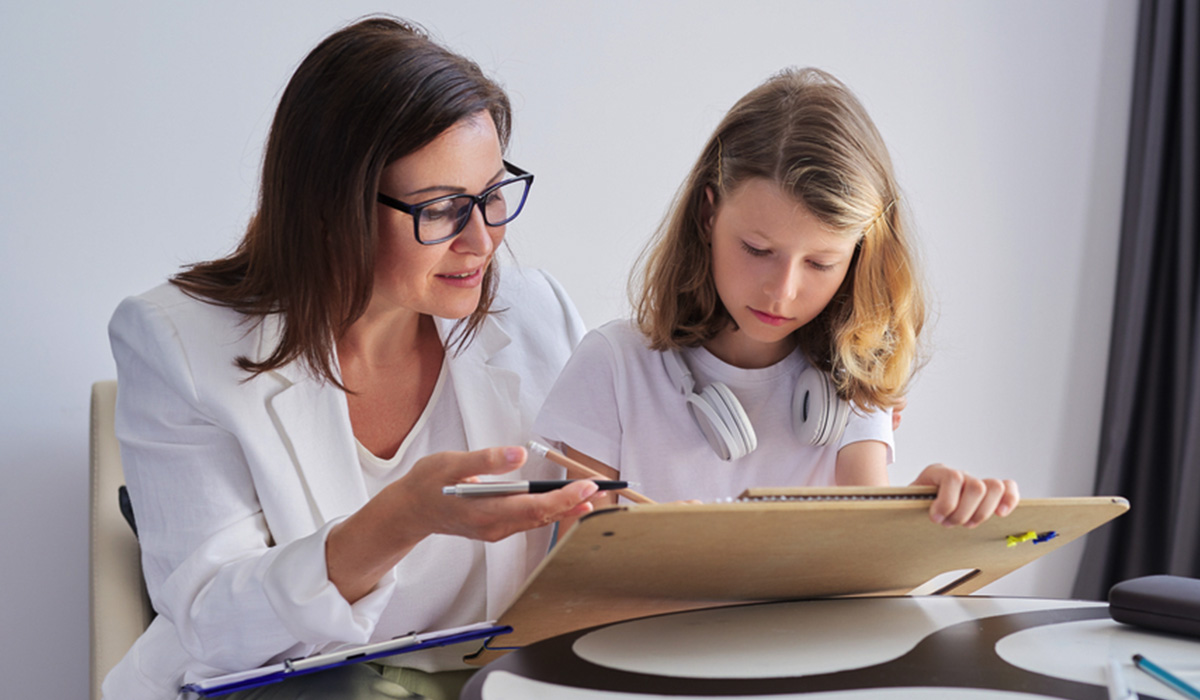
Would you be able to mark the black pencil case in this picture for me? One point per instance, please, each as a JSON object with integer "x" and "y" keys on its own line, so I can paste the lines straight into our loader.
{"x": 1163, "y": 603}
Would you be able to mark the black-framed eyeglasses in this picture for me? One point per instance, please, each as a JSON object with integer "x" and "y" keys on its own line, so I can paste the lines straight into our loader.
{"x": 438, "y": 220}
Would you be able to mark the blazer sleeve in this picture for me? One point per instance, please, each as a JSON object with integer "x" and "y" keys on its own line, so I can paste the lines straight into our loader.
{"x": 236, "y": 599}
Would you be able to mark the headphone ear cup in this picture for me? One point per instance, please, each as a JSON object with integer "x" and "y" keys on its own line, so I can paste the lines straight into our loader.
{"x": 840, "y": 416}
{"x": 818, "y": 413}
{"x": 735, "y": 418}
{"x": 713, "y": 426}
{"x": 716, "y": 410}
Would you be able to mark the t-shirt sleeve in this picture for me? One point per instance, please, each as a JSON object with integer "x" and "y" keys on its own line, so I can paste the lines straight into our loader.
{"x": 582, "y": 409}
{"x": 874, "y": 425}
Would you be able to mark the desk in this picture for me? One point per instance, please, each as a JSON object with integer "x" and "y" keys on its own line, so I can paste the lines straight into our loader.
{"x": 936, "y": 647}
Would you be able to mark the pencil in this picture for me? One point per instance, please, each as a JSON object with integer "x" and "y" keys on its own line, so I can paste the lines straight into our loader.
{"x": 586, "y": 471}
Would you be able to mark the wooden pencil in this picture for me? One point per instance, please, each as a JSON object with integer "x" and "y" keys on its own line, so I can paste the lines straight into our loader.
{"x": 582, "y": 470}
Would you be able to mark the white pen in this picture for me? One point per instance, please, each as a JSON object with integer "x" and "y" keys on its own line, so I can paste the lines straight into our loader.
{"x": 505, "y": 488}
{"x": 1118, "y": 687}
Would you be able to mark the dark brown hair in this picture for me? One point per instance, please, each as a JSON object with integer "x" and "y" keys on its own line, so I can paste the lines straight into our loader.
{"x": 805, "y": 131}
{"x": 367, "y": 95}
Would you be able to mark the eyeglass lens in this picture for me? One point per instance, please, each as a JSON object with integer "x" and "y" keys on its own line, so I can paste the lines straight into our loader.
{"x": 447, "y": 217}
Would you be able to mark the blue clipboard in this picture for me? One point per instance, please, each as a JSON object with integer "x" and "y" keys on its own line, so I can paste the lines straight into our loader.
{"x": 265, "y": 675}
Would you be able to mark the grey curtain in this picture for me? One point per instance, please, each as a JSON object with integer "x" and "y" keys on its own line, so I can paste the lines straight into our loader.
{"x": 1150, "y": 439}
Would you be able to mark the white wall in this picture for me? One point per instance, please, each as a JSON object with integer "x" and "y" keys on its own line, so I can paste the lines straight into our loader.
{"x": 130, "y": 134}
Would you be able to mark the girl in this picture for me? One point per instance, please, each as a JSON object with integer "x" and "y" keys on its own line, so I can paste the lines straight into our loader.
{"x": 777, "y": 320}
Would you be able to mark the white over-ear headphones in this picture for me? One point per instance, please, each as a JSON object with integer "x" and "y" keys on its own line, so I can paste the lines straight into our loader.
{"x": 818, "y": 413}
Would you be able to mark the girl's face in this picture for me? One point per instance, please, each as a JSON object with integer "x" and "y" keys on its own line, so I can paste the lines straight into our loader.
{"x": 775, "y": 266}
{"x": 445, "y": 279}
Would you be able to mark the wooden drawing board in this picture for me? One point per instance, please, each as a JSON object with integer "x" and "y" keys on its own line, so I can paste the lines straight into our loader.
{"x": 775, "y": 544}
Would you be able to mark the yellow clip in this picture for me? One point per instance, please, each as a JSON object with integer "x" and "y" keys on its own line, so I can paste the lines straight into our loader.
{"x": 1014, "y": 540}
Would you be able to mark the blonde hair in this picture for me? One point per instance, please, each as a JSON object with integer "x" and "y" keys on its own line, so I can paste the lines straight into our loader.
{"x": 804, "y": 130}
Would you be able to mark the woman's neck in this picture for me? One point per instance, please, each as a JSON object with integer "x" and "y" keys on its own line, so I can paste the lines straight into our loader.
{"x": 381, "y": 340}
{"x": 391, "y": 366}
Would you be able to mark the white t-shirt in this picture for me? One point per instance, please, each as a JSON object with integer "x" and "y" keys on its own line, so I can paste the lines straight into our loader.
{"x": 614, "y": 401}
{"x": 446, "y": 573}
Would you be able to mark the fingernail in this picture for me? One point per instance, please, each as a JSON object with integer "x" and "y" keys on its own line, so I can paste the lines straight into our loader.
{"x": 513, "y": 455}
{"x": 938, "y": 518}
{"x": 1003, "y": 511}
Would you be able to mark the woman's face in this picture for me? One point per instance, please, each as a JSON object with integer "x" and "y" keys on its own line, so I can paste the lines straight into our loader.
{"x": 445, "y": 279}
{"x": 775, "y": 266}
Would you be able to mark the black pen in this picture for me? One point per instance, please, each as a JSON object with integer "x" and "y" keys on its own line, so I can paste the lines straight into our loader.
{"x": 504, "y": 488}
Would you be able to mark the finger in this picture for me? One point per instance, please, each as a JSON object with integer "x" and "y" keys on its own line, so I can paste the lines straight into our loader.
{"x": 970, "y": 496}
{"x": 578, "y": 511}
{"x": 577, "y": 492}
{"x": 949, "y": 484}
{"x": 534, "y": 510}
{"x": 993, "y": 492}
{"x": 493, "y": 460}
{"x": 1010, "y": 499}
{"x": 601, "y": 499}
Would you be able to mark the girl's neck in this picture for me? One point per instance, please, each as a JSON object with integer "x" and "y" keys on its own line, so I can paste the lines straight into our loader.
{"x": 733, "y": 347}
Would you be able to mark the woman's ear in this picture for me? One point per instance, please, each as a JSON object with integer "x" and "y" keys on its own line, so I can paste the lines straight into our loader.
{"x": 708, "y": 209}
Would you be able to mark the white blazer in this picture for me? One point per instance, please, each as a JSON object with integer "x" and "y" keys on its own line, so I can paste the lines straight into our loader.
{"x": 236, "y": 483}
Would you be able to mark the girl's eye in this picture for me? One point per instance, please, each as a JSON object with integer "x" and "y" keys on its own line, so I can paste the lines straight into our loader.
{"x": 756, "y": 252}
{"x": 819, "y": 267}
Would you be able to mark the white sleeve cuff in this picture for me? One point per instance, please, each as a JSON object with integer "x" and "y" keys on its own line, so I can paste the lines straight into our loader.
{"x": 870, "y": 425}
{"x": 297, "y": 586}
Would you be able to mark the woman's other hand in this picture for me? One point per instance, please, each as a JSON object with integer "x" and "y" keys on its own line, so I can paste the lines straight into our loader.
{"x": 967, "y": 500}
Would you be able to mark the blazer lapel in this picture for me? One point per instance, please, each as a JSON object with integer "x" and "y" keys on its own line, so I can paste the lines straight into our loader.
{"x": 314, "y": 424}
{"x": 487, "y": 394}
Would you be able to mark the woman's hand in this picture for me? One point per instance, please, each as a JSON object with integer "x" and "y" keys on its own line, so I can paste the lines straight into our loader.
{"x": 366, "y": 545}
{"x": 963, "y": 499}
{"x": 490, "y": 518}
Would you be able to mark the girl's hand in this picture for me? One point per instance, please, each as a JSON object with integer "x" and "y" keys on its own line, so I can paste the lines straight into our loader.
{"x": 901, "y": 403}
{"x": 963, "y": 499}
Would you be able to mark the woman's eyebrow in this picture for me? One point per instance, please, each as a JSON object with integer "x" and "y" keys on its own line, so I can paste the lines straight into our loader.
{"x": 449, "y": 189}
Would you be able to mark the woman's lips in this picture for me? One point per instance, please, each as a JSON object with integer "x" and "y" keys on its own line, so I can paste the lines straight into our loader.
{"x": 466, "y": 278}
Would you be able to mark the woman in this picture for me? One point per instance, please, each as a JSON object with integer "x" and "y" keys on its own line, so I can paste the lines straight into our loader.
{"x": 289, "y": 414}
